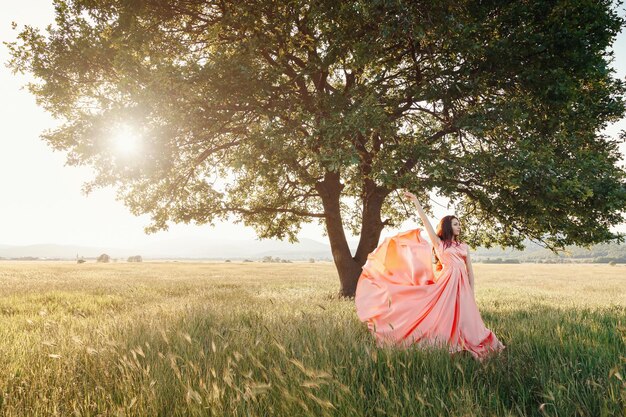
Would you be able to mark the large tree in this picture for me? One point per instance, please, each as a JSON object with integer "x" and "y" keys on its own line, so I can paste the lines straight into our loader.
{"x": 321, "y": 109}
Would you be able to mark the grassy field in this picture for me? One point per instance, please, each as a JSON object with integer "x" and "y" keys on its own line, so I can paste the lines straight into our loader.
{"x": 251, "y": 339}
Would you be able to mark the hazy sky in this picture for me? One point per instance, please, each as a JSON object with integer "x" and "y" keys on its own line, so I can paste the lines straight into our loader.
{"x": 41, "y": 199}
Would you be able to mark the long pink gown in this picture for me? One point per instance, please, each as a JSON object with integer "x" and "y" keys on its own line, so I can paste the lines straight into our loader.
{"x": 404, "y": 303}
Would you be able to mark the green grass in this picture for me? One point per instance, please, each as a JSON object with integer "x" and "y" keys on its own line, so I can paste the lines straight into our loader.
{"x": 213, "y": 339}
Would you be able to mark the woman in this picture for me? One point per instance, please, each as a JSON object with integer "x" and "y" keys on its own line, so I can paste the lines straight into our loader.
{"x": 404, "y": 303}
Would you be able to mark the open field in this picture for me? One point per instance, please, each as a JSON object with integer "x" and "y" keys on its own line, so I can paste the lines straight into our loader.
{"x": 251, "y": 339}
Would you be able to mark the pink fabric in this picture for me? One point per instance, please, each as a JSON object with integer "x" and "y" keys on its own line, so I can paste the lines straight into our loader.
{"x": 404, "y": 303}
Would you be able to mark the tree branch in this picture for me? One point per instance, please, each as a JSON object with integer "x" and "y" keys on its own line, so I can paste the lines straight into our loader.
{"x": 258, "y": 210}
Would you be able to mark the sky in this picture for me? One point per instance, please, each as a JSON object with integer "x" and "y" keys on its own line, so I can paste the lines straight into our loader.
{"x": 41, "y": 200}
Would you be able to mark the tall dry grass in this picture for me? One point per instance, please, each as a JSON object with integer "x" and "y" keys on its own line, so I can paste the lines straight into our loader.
{"x": 250, "y": 339}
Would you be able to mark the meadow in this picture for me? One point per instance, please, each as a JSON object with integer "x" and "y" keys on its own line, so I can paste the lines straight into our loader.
{"x": 254, "y": 339}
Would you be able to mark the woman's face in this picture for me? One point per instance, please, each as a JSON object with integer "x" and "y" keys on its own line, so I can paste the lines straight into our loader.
{"x": 456, "y": 227}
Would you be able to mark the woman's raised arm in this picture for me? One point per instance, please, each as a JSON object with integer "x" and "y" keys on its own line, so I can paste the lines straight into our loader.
{"x": 429, "y": 228}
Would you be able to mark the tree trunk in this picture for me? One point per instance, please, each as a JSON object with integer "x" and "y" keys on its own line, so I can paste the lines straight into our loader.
{"x": 349, "y": 267}
{"x": 371, "y": 224}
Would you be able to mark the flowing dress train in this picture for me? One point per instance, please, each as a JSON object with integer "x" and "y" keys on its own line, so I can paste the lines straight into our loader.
{"x": 404, "y": 303}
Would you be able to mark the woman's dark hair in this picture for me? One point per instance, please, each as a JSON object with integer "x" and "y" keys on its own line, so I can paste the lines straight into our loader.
{"x": 445, "y": 233}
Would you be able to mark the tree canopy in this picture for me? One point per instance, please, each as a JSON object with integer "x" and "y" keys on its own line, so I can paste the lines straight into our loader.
{"x": 319, "y": 110}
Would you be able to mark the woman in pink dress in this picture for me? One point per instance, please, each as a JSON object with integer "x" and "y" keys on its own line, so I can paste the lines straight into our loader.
{"x": 404, "y": 303}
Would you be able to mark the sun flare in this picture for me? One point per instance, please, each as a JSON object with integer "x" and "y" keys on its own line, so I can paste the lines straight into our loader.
{"x": 126, "y": 141}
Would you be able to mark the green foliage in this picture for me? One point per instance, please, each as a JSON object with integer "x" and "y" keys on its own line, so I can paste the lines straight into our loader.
{"x": 496, "y": 105}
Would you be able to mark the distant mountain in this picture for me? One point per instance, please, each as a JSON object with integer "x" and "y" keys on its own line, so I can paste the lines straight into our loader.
{"x": 236, "y": 249}
{"x": 601, "y": 253}
{"x": 531, "y": 248}
{"x": 182, "y": 248}
{"x": 58, "y": 251}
